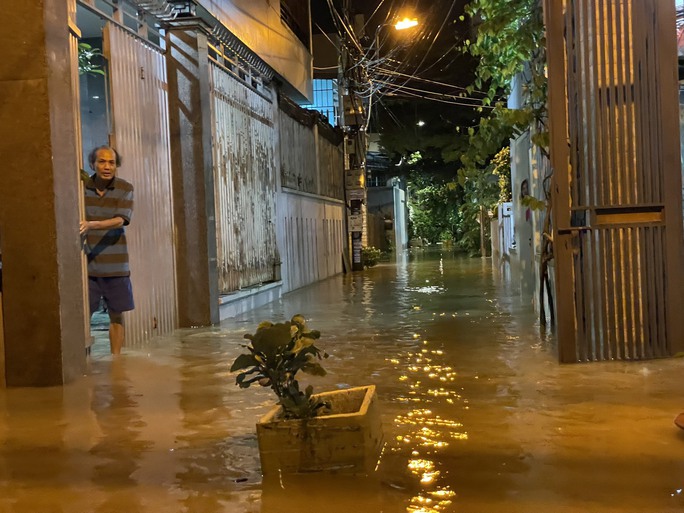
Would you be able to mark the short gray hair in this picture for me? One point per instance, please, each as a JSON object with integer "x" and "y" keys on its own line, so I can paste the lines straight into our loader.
{"x": 92, "y": 156}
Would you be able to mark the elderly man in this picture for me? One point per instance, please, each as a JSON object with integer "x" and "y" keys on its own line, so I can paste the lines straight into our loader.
{"x": 108, "y": 206}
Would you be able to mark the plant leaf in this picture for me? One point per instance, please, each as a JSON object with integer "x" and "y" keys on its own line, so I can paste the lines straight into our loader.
{"x": 269, "y": 340}
{"x": 314, "y": 368}
{"x": 243, "y": 361}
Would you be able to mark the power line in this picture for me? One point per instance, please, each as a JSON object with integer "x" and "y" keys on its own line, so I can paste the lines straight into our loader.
{"x": 435, "y": 93}
{"x": 450, "y": 102}
{"x": 420, "y": 79}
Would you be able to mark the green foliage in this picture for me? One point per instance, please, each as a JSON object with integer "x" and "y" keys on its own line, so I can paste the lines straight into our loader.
{"x": 501, "y": 167}
{"x": 86, "y": 53}
{"x": 433, "y": 207}
{"x": 370, "y": 256}
{"x": 468, "y": 233}
{"x": 533, "y": 203}
{"x": 493, "y": 133}
{"x": 480, "y": 191}
{"x": 276, "y": 353}
{"x": 510, "y": 34}
{"x": 510, "y": 41}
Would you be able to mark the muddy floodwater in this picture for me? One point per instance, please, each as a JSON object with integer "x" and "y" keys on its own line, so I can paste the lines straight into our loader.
{"x": 478, "y": 416}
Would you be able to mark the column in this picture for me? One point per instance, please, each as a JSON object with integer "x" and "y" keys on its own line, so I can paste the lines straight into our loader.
{"x": 42, "y": 291}
{"x": 193, "y": 177}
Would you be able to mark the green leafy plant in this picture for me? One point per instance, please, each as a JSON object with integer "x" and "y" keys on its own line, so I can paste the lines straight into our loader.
{"x": 276, "y": 353}
{"x": 370, "y": 256}
{"x": 433, "y": 205}
{"x": 510, "y": 42}
{"x": 533, "y": 203}
{"x": 501, "y": 168}
{"x": 86, "y": 53}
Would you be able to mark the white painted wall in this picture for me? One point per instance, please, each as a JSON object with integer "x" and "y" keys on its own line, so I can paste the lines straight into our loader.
{"x": 400, "y": 219}
{"x": 310, "y": 234}
{"x": 523, "y": 258}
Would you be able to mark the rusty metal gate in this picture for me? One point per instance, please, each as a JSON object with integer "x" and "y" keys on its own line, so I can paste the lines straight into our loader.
{"x": 139, "y": 97}
{"x": 244, "y": 141}
{"x": 617, "y": 191}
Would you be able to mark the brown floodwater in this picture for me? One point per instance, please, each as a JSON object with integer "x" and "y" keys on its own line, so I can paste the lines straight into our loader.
{"x": 477, "y": 414}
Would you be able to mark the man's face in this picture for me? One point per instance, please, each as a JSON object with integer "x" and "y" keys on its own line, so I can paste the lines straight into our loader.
{"x": 105, "y": 164}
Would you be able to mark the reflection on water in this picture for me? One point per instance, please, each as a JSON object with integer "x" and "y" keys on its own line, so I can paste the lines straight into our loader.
{"x": 118, "y": 452}
{"x": 478, "y": 416}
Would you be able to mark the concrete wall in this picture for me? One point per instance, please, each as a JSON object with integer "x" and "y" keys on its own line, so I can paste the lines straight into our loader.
{"x": 310, "y": 234}
{"x": 522, "y": 259}
{"x": 391, "y": 202}
{"x": 257, "y": 24}
{"x": 400, "y": 220}
{"x": 43, "y": 304}
{"x": 527, "y": 223}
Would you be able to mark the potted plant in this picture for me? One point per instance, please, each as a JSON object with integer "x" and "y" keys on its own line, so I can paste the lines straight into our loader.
{"x": 305, "y": 432}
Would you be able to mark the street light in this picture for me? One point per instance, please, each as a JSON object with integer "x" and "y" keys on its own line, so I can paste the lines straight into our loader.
{"x": 403, "y": 24}
{"x": 406, "y": 23}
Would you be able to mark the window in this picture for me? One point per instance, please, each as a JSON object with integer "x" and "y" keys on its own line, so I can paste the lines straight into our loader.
{"x": 326, "y": 99}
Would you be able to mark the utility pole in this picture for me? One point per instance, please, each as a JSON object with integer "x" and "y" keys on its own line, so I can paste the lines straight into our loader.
{"x": 355, "y": 144}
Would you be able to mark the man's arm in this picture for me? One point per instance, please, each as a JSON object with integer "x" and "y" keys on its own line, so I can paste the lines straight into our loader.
{"x": 105, "y": 224}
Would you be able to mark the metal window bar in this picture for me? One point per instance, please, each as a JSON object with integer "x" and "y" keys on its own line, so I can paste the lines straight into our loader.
{"x": 228, "y": 60}
{"x": 326, "y": 99}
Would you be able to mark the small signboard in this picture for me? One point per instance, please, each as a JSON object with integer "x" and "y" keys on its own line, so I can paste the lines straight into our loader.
{"x": 356, "y": 194}
{"x": 355, "y": 222}
{"x": 355, "y": 178}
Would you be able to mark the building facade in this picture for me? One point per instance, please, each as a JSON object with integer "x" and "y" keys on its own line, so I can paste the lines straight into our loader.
{"x": 189, "y": 93}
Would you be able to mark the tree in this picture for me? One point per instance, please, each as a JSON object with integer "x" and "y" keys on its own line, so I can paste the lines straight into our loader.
{"x": 510, "y": 41}
{"x": 434, "y": 204}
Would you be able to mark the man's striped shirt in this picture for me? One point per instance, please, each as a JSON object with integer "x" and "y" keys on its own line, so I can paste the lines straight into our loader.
{"x": 107, "y": 249}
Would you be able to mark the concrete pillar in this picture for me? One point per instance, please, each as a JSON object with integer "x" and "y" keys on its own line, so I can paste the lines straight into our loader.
{"x": 193, "y": 177}
{"x": 42, "y": 298}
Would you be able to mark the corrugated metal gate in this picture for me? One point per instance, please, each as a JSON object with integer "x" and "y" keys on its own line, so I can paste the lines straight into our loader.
{"x": 313, "y": 235}
{"x": 139, "y": 97}
{"x": 311, "y": 208}
{"x": 298, "y": 166}
{"x": 617, "y": 200}
{"x": 244, "y": 142}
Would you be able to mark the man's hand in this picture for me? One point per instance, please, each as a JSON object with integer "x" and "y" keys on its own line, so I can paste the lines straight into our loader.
{"x": 84, "y": 227}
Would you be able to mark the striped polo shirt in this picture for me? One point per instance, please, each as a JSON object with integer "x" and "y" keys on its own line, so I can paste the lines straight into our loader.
{"x": 107, "y": 250}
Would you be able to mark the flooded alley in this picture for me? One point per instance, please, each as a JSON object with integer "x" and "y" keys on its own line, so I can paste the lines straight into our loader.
{"x": 478, "y": 416}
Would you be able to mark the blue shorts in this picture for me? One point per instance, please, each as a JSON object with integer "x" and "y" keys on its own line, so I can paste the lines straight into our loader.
{"x": 116, "y": 291}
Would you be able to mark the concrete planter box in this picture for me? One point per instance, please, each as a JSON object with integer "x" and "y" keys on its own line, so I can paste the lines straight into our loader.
{"x": 347, "y": 438}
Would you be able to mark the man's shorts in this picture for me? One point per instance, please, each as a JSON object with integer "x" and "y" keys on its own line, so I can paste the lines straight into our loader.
{"x": 116, "y": 291}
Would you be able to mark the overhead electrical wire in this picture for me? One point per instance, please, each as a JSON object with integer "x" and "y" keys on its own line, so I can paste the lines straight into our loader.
{"x": 336, "y": 45}
{"x": 435, "y": 93}
{"x": 381, "y": 71}
{"x": 426, "y": 80}
{"x": 391, "y": 114}
{"x": 414, "y": 95}
{"x": 373, "y": 74}
{"x": 432, "y": 44}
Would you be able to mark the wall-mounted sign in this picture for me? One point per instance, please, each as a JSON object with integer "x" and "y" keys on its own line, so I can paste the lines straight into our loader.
{"x": 354, "y": 178}
{"x": 356, "y": 194}
{"x": 355, "y": 222}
